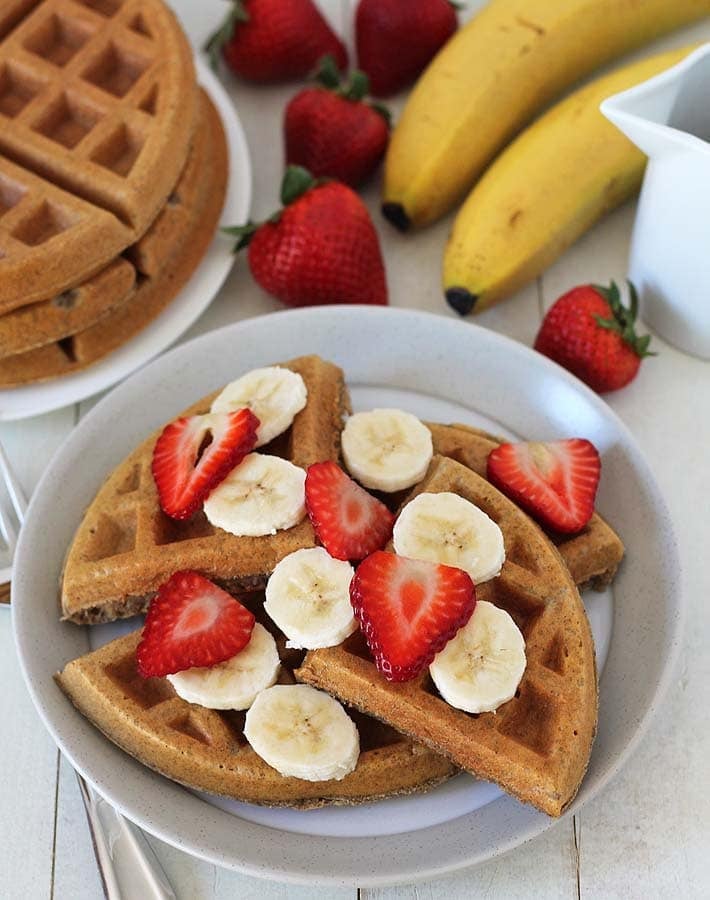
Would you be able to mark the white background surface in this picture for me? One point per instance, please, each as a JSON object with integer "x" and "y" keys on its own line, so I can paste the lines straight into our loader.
{"x": 648, "y": 834}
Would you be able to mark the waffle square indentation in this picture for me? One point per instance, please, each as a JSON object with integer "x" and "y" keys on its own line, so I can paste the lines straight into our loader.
{"x": 116, "y": 70}
{"x": 149, "y": 104}
{"x": 16, "y": 91}
{"x": 530, "y": 718}
{"x": 44, "y": 223}
{"x": 139, "y": 24}
{"x": 145, "y": 692}
{"x": 119, "y": 151}
{"x": 171, "y": 531}
{"x": 110, "y": 535}
{"x": 106, "y": 8}
{"x": 67, "y": 121}
{"x": 58, "y": 40}
{"x": 10, "y": 194}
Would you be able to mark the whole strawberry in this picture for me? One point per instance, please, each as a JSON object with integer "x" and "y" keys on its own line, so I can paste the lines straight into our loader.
{"x": 330, "y": 130}
{"x": 270, "y": 40}
{"x": 321, "y": 248}
{"x": 396, "y": 39}
{"x": 590, "y": 332}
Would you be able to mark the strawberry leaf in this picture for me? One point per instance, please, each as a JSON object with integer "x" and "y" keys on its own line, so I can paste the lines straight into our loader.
{"x": 623, "y": 320}
{"x": 244, "y": 232}
{"x": 383, "y": 111}
{"x": 359, "y": 86}
{"x": 216, "y": 41}
{"x": 296, "y": 182}
{"x": 327, "y": 72}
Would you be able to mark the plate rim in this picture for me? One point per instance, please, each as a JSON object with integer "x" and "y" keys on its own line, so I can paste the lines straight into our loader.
{"x": 533, "y": 824}
{"x": 79, "y": 385}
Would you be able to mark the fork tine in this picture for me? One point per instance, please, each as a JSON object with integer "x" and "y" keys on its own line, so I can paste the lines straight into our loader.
{"x": 15, "y": 491}
{"x": 7, "y": 528}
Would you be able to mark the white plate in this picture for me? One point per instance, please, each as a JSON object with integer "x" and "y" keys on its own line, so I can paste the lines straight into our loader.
{"x": 438, "y": 366}
{"x": 190, "y": 302}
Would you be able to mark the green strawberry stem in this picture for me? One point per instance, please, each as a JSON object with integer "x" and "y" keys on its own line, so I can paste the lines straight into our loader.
{"x": 214, "y": 43}
{"x": 623, "y": 318}
{"x": 296, "y": 182}
{"x": 355, "y": 89}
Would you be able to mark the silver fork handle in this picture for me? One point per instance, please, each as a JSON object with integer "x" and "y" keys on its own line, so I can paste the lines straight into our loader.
{"x": 127, "y": 864}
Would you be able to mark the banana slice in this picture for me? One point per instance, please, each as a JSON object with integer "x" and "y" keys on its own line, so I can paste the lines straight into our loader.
{"x": 303, "y": 733}
{"x": 260, "y": 496}
{"x": 308, "y": 597}
{"x": 386, "y": 449}
{"x": 481, "y": 667}
{"x": 273, "y": 394}
{"x": 448, "y": 529}
{"x": 234, "y": 683}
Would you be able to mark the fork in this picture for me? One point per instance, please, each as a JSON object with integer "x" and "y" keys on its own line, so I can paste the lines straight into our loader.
{"x": 127, "y": 864}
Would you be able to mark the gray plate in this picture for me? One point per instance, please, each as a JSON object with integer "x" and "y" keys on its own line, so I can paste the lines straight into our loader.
{"x": 436, "y": 359}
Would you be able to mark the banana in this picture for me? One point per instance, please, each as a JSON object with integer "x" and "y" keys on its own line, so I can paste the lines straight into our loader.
{"x": 545, "y": 190}
{"x": 233, "y": 684}
{"x": 273, "y": 394}
{"x": 445, "y": 528}
{"x": 386, "y": 449}
{"x": 260, "y": 496}
{"x": 493, "y": 76}
{"x": 481, "y": 667}
{"x": 303, "y": 733}
{"x": 308, "y": 597}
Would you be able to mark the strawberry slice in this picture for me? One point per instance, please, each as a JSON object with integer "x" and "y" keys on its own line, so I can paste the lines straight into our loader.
{"x": 408, "y": 610}
{"x": 349, "y": 522}
{"x": 191, "y": 622}
{"x": 195, "y": 453}
{"x": 556, "y": 482}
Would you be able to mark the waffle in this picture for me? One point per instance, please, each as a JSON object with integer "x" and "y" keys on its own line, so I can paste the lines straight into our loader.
{"x": 160, "y": 263}
{"x": 126, "y": 547}
{"x": 536, "y": 746}
{"x": 592, "y": 556}
{"x": 71, "y": 311}
{"x": 97, "y": 106}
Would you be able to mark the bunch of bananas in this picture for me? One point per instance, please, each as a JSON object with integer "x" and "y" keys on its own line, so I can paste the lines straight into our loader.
{"x": 559, "y": 175}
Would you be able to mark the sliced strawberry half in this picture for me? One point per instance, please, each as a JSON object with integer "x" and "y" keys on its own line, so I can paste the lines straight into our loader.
{"x": 191, "y": 622}
{"x": 408, "y": 610}
{"x": 349, "y": 522}
{"x": 195, "y": 453}
{"x": 556, "y": 482}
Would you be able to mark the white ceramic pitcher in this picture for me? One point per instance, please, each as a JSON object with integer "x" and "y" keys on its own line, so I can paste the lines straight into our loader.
{"x": 668, "y": 118}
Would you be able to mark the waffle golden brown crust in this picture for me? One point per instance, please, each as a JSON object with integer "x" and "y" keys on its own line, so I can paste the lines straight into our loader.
{"x": 161, "y": 262}
{"x": 71, "y": 311}
{"x": 206, "y": 749}
{"x": 537, "y": 745}
{"x": 126, "y": 546}
{"x": 97, "y": 111}
{"x": 592, "y": 556}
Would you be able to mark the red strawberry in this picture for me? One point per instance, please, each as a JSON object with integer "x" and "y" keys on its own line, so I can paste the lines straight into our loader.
{"x": 321, "y": 248}
{"x": 349, "y": 522}
{"x": 409, "y": 610}
{"x": 269, "y": 40}
{"x": 330, "y": 130}
{"x": 590, "y": 332}
{"x": 191, "y": 622}
{"x": 396, "y": 39}
{"x": 186, "y": 468}
{"x": 555, "y": 482}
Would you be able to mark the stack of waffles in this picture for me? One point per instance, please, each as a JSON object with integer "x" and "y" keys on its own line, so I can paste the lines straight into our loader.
{"x": 536, "y": 746}
{"x": 113, "y": 168}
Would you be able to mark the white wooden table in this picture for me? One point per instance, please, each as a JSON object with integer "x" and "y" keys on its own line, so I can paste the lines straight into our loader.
{"x": 647, "y": 835}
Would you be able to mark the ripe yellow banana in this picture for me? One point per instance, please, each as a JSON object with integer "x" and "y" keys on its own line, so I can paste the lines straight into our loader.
{"x": 552, "y": 183}
{"x": 493, "y": 76}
